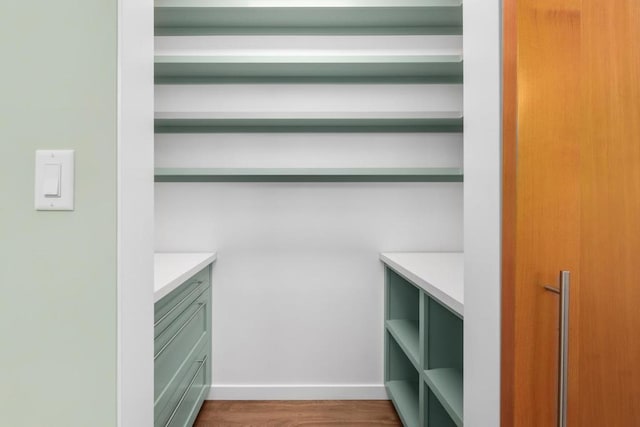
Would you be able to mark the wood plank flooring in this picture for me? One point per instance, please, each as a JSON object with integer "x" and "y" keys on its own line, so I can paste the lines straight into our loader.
{"x": 307, "y": 413}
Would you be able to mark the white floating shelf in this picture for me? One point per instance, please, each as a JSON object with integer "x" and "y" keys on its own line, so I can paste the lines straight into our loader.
{"x": 308, "y": 175}
{"x": 180, "y": 17}
{"x": 206, "y": 122}
{"x": 237, "y": 68}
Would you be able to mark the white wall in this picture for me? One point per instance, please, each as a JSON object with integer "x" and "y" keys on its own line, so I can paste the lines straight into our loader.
{"x": 135, "y": 213}
{"x": 298, "y": 288}
{"x": 482, "y": 208}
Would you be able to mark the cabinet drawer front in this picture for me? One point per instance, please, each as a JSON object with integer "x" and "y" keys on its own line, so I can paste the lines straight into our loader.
{"x": 178, "y": 342}
{"x": 170, "y": 307}
{"x": 188, "y": 394}
{"x": 169, "y": 332}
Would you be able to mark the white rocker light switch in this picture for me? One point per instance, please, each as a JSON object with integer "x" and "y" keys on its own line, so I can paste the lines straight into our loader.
{"x": 54, "y": 184}
{"x": 51, "y": 184}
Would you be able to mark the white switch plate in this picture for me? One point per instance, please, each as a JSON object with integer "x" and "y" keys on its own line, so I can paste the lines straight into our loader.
{"x": 46, "y": 162}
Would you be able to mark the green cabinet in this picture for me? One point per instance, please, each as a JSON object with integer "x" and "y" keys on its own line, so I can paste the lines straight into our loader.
{"x": 423, "y": 338}
{"x": 182, "y": 351}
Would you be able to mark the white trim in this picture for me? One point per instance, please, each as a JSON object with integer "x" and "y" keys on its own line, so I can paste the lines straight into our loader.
{"x": 298, "y": 392}
{"x": 119, "y": 327}
{"x": 482, "y": 211}
{"x": 134, "y": 299}
{"x": 119, "y": 303}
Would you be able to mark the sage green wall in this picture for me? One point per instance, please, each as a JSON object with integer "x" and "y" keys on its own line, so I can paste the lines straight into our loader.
{"x": 58, "y": 269}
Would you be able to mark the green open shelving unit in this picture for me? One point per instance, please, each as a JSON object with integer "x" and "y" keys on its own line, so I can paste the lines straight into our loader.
{"x": 344, "y": 69}
{"x": 208, "y": 17}
{"x": 423, "y": 339}
{"x": 310, "y": 175}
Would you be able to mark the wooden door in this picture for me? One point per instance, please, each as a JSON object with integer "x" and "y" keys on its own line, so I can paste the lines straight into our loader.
{"x": 571, "y": 202}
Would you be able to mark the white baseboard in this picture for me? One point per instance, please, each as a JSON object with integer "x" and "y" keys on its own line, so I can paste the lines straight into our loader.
{"x": 298, "y": 392}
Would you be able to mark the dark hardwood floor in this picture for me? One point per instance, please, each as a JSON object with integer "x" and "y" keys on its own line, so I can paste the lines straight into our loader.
{"x": 307, "y": 413}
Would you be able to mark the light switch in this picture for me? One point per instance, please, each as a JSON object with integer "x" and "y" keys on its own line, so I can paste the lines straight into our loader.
{"x": 51, "y": 184}
{"x": 54, "y": 183}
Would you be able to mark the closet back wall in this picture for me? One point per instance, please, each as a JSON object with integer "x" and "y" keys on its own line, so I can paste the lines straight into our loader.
{"x": 298, "y": 288}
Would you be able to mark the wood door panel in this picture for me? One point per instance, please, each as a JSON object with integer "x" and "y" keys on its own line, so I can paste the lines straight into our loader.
{"x": 573, "y": 202}
{"x": 509, "y": 153}
{"x": 609, "y": 319}
{"x": 547, "y": 196}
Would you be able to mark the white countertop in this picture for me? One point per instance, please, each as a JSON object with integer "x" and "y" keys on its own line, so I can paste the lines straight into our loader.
{"x": 172, "y": 269}
{"x": 440, "y": 274}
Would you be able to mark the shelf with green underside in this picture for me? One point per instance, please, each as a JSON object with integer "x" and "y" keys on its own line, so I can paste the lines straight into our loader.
{"x": 406, "y": 334}
{"x": 446, "y": 385}
{"x": 219, "y": 122}
{"x": 404, "y": 395}
{"x": 308, "y": 175}
{"x": 371, "y": 68}
{"x": 202, "y": 17}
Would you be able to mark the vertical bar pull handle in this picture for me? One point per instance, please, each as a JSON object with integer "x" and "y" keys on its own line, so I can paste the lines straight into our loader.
{"x": 563, "y": 347}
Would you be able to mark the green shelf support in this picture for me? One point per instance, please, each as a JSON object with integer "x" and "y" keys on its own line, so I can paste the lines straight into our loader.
{"x": 405, "y": 332}
{"x": 209, "y": 17}
{"x": 404, "y": 396}
{"x": 304, "y": 69}
{"x": 208, "y": 122}
{"x": 446, "y": 385}
{"x": 308, "y": 175}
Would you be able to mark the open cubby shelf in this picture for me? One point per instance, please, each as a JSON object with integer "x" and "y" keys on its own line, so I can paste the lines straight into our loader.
{"x": 428, "y": 332}
{"x": 405, "y": 399}
{"x": 446, "y": 385}
{"x": 403, "y": 383}
{"x": 294, "y": 68}
{"x": 219, "y": 122}
{"x": 202, "y": 17}
{"x": 405, "y": 332}
{"x": 434, "y": 412}
{"x": 308, "y": 175}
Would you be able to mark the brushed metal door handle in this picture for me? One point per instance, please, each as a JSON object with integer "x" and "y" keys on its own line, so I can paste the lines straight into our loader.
{"x": 563, "y": 347}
